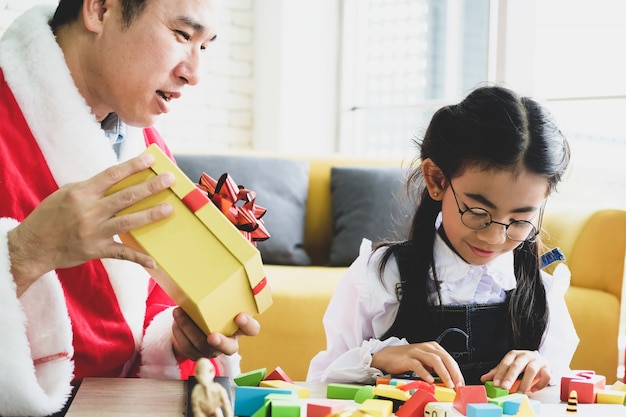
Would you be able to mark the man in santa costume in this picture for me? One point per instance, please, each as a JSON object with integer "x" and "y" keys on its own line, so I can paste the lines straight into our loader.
{"x": 76, "y": 92}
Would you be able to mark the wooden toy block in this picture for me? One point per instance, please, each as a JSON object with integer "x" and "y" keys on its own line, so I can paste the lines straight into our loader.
{"x": 572, "y": 403}
{"x": 493, "y": 391}
{"x": 284, "y": 408}
{"x": 415, "y": 385}
{"x": 323, "y": 408}
{"x": 605, "y": 396}
{"x": 500, "y": 401}
{"x": 438, "y": 409}
{"x": 204, "y": 262}
{"x": 272, "y": 397}
{"x": 469, "y": 394}
{"x": 618, "y": 386}
{"x": 342, "y": 391}
{"x": 263, "y": 411}
{"x": 365, "y": 393}
{"x": 390, "y": 391}
{"x": 483, "y": 410}
{"x": 518, "y": 381}
{"x": 279, "y": 374}
{"x": 511, "y": 407}
{"x": 525, "y": 409}
{"x": 383, "y": 380}
{"x": 249, "y": 399}
{"x": 586, "y": 384}
{"x": 414, "y": 406}
{"x": 251, "y": 378}
{"x": 444, "y": 394}
{"x": 303, "y": 392}
{"x": 377, "y": 408}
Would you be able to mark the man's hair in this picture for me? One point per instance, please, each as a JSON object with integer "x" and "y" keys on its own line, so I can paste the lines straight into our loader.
{"x": 67, "y": 12}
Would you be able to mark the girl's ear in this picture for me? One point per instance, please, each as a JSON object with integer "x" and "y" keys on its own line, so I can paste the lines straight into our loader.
{"x": 434, "y": 178}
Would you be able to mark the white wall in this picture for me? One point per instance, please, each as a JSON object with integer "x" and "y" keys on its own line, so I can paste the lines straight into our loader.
{"x": 296, "y": 67}
{"x": 217, "y": 114}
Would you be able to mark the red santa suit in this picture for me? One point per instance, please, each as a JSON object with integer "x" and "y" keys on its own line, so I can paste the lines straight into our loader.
{"x": 103, "y": 318}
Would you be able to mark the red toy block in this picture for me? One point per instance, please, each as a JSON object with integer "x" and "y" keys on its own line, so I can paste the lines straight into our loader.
{"x": 418, "y": 385}
{"x": 414, "y": 406}
{"x": 278, "y": 374}
{"x": 469, "y": 394}
{"x": 585, "y": 383}
{"x": 322, "y": 408}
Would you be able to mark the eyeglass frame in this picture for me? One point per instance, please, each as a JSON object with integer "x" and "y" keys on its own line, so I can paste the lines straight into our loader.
{"x": 532, "y": 237}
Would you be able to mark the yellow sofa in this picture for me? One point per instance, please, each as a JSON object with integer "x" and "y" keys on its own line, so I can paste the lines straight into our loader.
{"x": 292, "y": 332}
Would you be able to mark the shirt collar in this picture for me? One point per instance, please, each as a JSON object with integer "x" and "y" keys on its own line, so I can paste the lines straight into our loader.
{"x": 114, "y": 128}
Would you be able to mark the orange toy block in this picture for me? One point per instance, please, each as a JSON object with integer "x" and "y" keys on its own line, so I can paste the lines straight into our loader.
{"x": 279, "y": 374}
{"x": 414, "y": 406}
{"x": 515, "y": 385}
{"x": 469, "y": 394}
{"x": 204, "y": 262}
{"x": 585, "y": 383}
{"x": 322, "y": 408}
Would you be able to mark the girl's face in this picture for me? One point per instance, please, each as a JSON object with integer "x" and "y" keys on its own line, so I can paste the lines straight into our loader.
{"x": 505, "y": 196}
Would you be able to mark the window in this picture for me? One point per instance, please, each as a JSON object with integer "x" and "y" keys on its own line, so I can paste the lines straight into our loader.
{"x": 401, "y": 60}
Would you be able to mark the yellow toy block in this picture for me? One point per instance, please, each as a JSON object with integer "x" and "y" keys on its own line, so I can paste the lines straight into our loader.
{"x": 605, "y": 396}
{"x": 303, "y": 392}
{"x": 391, "y": 391}
{"x": 444, "y": 394}
{"x": 525, "y": 409}
{"x": 204, "y": 263}
{"x": 618, "y": 386}
{"x": 377, "y": 408}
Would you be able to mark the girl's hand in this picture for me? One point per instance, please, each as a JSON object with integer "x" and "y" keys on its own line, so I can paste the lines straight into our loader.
{"x": 422, "y": 359}
{"x": 189, "y": 342}
{"x": 530, "y": 363}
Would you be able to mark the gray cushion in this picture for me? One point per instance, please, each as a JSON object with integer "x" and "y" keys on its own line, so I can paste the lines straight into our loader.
{"x": 281, "y": 186}
{"x": 367, "y": 202}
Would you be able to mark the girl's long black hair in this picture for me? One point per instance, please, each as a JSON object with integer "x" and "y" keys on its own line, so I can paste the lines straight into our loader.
{"x": 492, "y": 128}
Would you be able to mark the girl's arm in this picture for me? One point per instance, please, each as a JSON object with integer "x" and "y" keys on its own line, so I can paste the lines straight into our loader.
{"x": 561, "y": 340}
{"x": 359, "y": 313}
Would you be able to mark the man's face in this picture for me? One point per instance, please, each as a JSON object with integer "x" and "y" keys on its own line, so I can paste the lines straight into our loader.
{"x": 137, "y": 71}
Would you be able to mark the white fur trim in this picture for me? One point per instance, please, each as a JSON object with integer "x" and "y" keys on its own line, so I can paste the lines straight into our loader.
{"x": 157, "y": 356}
{"x": 65, "y": 130}
{"x": 26, "y": 390}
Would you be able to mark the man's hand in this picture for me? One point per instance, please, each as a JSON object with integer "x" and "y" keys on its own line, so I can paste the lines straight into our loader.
{"x": 190, "y": 342}
{"x": 77, "y": 223}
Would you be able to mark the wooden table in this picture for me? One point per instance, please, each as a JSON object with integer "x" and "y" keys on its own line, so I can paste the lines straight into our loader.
{"x": 115, "y": 397}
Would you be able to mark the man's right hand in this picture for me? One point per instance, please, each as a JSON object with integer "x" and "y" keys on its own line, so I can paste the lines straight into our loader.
{"x": 77, "y": 223}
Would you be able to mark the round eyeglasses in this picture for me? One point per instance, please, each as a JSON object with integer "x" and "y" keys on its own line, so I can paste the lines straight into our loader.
{"x": 478, "y": 218}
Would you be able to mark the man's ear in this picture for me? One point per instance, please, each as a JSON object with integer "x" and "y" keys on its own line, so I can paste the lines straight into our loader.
{"x": 93, "y": 14}
{"x": 434, "y": 178}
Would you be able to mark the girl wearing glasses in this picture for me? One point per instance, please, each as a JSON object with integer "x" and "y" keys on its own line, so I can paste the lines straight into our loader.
{"x": 464, "y": 298}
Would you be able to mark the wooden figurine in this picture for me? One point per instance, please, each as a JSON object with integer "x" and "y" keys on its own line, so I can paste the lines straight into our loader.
{"x": 209, "y": 398}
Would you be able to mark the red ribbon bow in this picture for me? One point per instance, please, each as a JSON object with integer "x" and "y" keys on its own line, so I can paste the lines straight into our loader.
{"x": 225, "y": 194}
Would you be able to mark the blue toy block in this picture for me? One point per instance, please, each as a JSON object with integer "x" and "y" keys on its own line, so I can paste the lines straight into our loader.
{"x": 249, "y": 399}
{"x": 483, "y": 410}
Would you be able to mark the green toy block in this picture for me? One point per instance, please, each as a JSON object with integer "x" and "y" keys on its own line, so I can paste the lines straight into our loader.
{"x": 365, "y": 393}
{"x": 493, "y": 391}
{"x": 251, "y": 378}
{"x": 284, "y": 408}
{"x": 342, "y": 391}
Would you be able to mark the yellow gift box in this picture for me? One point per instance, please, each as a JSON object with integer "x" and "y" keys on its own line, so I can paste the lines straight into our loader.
{"x": 204, "y": 262}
